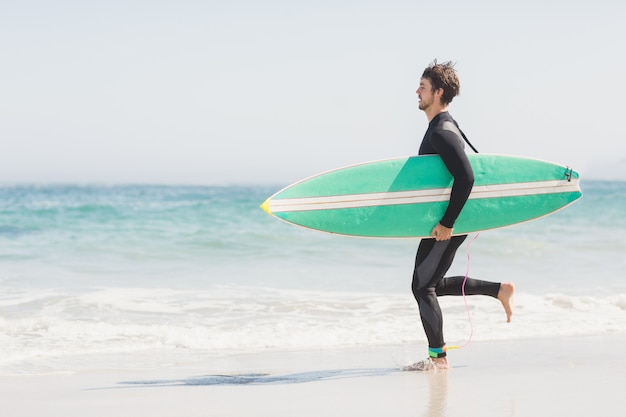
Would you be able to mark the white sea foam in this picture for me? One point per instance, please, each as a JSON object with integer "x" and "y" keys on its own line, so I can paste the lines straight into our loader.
{"x": 57, "y": 328}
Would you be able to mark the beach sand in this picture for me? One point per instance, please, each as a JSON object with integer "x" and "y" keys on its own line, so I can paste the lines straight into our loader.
{"x": 578, "y": 376}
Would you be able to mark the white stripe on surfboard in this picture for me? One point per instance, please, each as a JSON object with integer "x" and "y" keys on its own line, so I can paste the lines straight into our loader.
{"x": 421, "y": 196}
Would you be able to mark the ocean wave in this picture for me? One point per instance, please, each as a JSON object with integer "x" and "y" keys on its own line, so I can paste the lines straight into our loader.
{"x": 249, "y": 319}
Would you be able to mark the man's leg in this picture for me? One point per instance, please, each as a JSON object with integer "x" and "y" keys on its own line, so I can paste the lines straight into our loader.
{"x": 432, "y": 261}
{"x": 502, "y": 291}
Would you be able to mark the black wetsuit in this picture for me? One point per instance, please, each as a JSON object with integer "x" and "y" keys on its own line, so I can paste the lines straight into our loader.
{"x": 434, "y": 258}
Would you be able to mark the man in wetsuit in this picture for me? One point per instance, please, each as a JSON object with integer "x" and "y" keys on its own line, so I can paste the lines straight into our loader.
{"x": 438, "y": 86}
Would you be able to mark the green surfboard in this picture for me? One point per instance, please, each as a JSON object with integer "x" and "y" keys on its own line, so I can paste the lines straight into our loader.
{"x": 406, "y": 197}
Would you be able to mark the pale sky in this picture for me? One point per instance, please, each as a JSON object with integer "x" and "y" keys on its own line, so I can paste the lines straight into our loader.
{"x": 252, "y": 92}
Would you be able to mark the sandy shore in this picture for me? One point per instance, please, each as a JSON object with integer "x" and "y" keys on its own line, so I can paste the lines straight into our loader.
{"x": 582, "y": 376}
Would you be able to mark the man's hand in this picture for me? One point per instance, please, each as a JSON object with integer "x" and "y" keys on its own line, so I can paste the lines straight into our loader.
{"x": 441, "y": 232}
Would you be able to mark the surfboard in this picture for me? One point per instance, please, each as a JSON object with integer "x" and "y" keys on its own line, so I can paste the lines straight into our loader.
{"x": 406, "y": 197}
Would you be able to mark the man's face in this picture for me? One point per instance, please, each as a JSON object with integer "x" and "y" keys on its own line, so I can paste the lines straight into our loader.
{"x": 425, "y": 94}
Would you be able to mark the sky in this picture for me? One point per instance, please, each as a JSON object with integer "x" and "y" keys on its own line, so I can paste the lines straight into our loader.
{"x": 270, "y": 92}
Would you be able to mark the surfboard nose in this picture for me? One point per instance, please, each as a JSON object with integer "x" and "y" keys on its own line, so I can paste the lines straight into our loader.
{"x": 266, "y": 207}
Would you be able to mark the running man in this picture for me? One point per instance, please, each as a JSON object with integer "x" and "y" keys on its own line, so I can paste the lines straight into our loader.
{"x": 439, "y": 84}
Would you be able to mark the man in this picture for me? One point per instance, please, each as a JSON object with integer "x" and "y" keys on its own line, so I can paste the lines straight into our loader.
{"x": 438, "y": 86}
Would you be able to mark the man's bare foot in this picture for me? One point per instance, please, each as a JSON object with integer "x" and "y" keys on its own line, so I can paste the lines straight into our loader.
{"x": 505, "y": 295}
{"x": 429, "y": 364}
{"x": 441, "y": 363}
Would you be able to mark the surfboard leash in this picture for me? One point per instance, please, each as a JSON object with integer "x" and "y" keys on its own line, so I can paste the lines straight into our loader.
{"x": 469, "y": 315}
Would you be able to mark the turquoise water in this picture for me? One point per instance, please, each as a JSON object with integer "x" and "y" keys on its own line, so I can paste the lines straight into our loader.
{"x": 83, "y": 236}
{"x": 92, "y": 270}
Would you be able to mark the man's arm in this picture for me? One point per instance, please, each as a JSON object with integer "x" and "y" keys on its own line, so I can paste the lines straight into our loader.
{"x": 449, "y": 146}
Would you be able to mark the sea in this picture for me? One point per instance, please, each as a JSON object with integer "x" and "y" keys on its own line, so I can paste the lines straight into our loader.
{"x": 97, "y": 277}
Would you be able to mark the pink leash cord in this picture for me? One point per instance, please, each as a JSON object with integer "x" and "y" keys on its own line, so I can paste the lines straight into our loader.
{"x": 469, "y": 316}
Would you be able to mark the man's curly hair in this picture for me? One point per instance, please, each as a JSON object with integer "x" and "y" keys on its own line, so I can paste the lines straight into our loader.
{"x": 443, "y": 76}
